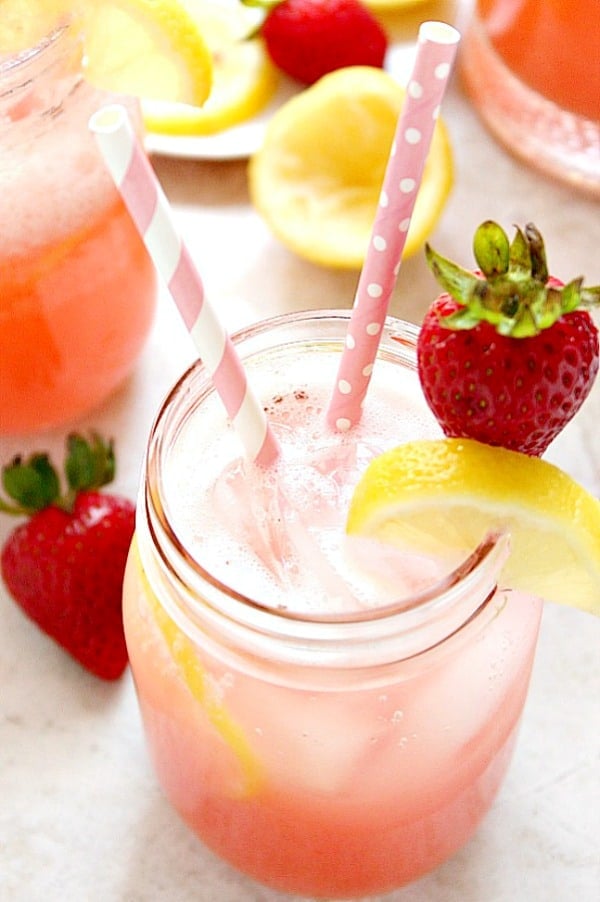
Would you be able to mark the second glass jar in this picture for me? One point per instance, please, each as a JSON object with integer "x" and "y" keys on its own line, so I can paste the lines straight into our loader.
{"x": 78, "y": 290}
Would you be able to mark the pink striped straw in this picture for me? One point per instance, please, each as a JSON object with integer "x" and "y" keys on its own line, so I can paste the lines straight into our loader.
{"x": 436, "y": 49}
{"x": 144, "y": 198}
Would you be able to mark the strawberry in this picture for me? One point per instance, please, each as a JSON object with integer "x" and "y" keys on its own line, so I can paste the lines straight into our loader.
{"x": 508, "y": 354}
{"x": 308, "y": 38}
{"x": 64, "y": 566}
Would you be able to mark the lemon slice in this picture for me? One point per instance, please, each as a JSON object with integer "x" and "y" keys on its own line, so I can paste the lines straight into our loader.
{"x": 446, "y": 495}
{"x": 317, "y": 178}
{"x": 249, "y": 775}
{"x": 148, "y": 48}
{"x": 244, "y": 78}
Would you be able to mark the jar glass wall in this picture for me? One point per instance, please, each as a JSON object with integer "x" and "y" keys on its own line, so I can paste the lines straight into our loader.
{"x": 78, "y": 289}
{"x": 333, "y": 752}
{"x": 530, "y": 68}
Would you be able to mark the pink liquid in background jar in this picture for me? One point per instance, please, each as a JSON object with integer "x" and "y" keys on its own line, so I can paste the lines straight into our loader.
{"x": 316, "y": 732}
{"x": 531, "y": 68}
{"x": 77, "y": 288}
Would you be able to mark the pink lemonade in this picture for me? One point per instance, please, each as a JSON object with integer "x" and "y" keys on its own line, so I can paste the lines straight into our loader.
{"x": 77, "y": 288}
{"x": 551, "y": 45}
{"x": 531, "y": 68}
{"x": 316, "y": 721}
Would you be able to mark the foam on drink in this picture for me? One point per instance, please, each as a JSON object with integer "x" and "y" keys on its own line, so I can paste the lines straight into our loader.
{"x": 40, "y": 185}
{"x": 278, "y": 536}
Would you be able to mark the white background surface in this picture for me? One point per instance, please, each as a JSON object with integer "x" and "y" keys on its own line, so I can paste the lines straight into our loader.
{"x": 81, "y": 816}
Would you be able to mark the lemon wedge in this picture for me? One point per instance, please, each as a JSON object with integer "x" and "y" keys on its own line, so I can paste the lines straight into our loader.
{"x": 317, "y": 178}
{"x": 248, "y": 777}
{"x": 147, "y": 48}
{"x": 244, "y": 78}
{"x": 446, "y": 495}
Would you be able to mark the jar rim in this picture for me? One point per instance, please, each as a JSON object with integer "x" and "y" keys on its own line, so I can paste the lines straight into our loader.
{"x": 452, "y": 601}
{"x": 11, "y": 61}
{"x": 57, "y": 53}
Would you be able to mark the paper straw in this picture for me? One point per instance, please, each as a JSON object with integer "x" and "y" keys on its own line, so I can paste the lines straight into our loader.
{"x": 436, "y": 49}
{"x": 144, "y": 198}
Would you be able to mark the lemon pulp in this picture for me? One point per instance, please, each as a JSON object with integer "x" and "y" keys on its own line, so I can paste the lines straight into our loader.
{"x": 147, "y": 48}
{"x": 445, "y": 495}
{"x": 317, "y": 178}
{"x": 244, "y": 78}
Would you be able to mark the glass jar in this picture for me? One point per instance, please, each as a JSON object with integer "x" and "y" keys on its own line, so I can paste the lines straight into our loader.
{"x": 78, "y": 290}
{"x": 530, "y": 67}
{"x": 329, "y": 752}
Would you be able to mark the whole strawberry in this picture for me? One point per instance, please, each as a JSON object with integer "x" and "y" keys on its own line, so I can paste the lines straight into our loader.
{"x": 306, "y": 39}
{"x": 65, "y": 565}
{"x": 508, "y": 355}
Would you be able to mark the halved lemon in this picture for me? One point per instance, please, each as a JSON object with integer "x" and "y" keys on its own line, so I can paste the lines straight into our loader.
{"x": 448, "y": 494}
{"x": 244, "y": 78}
{"x": 317, "y": 178}
{"x": 147, "y": 48}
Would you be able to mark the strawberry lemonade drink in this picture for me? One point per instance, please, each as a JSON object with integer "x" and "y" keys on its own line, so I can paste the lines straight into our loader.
{"x": 530, "y": 66}
{"x": 77, "y": 287}
{"x": 330, "y": 719}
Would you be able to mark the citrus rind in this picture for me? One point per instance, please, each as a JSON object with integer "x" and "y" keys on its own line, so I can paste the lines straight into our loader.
{"x": 444, "y": 496}
{"x": 244, "y": 77}
{"x": 244, "y": 81}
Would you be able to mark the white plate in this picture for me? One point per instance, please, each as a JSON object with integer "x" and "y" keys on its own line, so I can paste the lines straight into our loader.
{"x": 244, "y": 139}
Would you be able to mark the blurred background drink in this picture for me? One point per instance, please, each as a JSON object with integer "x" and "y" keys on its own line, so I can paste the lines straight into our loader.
{"x": 328, "y": 721}
{"x": 77, "y": 289}
{"x": 531, "y": 68}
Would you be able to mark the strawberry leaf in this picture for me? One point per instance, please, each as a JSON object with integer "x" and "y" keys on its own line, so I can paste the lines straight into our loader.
{"x": 491, "y": 249}
{"x": 458, "y": 282}
{"x": 537, "y": 252}
{"x": 89, "y": 465}
{"x": 569, "y": 298}
{"x": 515, "y": 293}
{"x": 519, "y": 256}
{"x": 590, "y": 297}
{"x": 33, "y": 484}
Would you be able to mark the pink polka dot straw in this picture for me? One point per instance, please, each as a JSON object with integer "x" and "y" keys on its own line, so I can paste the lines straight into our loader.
{"x": 150, "y": 211}
{"x": 436, "y": 49}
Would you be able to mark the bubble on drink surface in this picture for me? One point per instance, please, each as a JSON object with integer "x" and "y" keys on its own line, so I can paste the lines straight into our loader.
{"x": 55, "y": 186}
{"x": 278, "y": 536}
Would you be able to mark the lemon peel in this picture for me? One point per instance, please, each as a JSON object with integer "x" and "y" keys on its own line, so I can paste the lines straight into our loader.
{"x": 437, "y": 495}
{"x": 199, "y": 686}
{"x": 317, "y": 178}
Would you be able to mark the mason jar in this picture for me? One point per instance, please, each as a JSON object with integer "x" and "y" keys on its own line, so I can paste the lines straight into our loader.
{"x": 322, "y": 738}
{"x": 531, "y": 71}
{"x": 78, "y": 290}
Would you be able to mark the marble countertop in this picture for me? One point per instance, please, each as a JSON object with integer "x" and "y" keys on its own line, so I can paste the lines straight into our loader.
{"x": 81, "y": 816}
